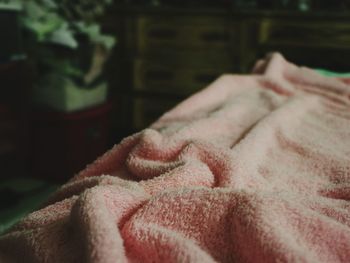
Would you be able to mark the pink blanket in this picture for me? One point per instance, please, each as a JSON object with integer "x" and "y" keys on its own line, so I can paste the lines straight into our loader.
{"x": 251, "y": 169}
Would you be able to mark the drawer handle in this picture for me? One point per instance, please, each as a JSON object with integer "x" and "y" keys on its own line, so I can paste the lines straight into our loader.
{"x": 162, "y": 33}
{"x": 205, "y": 78}
{"x": 215, "y": 37}
{"x": 159, "y": 75}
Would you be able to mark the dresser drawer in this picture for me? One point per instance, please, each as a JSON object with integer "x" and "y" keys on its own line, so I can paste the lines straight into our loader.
{"x": 191, "y": 33}
{"x": 319, "y": 34}
{"x": 174, "y": 79}
{"x": 148, "y": 110}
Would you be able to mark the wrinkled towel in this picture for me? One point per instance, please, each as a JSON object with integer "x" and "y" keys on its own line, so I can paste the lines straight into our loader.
{"x": 252, "y": 168}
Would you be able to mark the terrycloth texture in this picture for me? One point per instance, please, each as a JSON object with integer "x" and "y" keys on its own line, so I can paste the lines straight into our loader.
{"x": 251, "y": 169}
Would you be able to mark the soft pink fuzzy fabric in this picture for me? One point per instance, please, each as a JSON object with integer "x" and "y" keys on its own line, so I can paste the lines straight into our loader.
{"x": 251, "y": 169}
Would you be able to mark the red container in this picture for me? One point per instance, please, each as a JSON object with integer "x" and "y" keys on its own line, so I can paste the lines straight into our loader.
{"x": 64, "y": 143}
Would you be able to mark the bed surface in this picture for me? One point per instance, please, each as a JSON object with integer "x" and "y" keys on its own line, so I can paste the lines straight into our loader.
{"x": 253, "y": 168}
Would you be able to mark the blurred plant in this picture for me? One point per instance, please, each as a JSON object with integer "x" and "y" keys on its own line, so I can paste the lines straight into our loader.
{"x": 62, "y": 21}
{"x": 86, "y": 10}
{"x": 65, "y": 37}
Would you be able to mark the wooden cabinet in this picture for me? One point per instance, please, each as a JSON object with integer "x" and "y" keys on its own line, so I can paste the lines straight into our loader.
{"x": 320, "y": 40}
{"x": 167, "y": 54}
{"x": 172, "y": 54}
{"x": 177, "y": 32}
{"x": 173, "y": 78}
{"x": 322, "y": 34}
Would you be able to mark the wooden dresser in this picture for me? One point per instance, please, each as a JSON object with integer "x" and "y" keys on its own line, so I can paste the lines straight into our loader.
{"x": 166, "y": 54}
{"x": 311, "y": 39}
